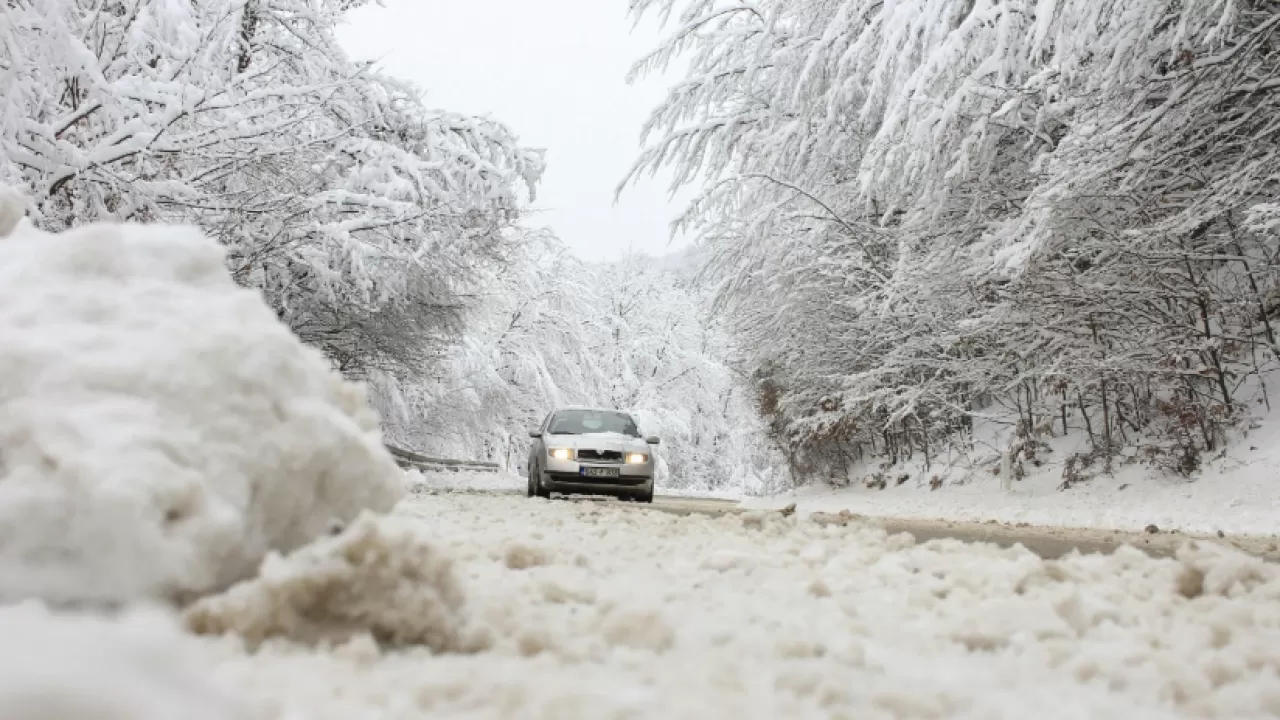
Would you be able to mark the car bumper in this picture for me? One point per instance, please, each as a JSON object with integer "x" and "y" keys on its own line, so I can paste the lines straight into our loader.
{"x": 565, "y": 476}
{"x": 595, "y": 487}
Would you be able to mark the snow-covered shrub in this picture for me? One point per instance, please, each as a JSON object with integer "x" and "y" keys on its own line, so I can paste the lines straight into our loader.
{"x": 160, "y": 429}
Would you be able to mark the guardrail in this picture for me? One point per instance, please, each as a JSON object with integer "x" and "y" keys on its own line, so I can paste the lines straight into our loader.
{"x": 409, "y": 459}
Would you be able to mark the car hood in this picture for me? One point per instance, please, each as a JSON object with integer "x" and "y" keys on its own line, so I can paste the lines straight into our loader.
{"x": 598, "y": 441}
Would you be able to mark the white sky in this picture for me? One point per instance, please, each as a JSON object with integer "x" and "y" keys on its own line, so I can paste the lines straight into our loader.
{"x": 555, "y": 72}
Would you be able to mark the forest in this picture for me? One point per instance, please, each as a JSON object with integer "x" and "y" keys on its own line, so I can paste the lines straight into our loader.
{"x": 388, "y": 234}
{"x": 1050, "y": 216}
{"x": 916, "y": 221}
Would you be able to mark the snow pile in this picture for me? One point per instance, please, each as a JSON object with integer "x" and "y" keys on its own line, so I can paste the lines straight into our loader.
{"x": 137, "y": 667}
{"x": 12, "y": 209}
{"x": 604, "y": 611}
{"x": 160, "y": 430}
{"x": 463, "y": 480}
{"x": 379, "y": 576}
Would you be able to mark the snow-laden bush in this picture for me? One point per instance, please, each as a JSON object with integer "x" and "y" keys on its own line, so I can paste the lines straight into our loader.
{"x": 160, "y": 429}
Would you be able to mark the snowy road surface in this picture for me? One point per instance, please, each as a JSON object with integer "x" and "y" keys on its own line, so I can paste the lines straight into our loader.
{"x": 1047, "y": 542}
{"x": 553, "y": 609}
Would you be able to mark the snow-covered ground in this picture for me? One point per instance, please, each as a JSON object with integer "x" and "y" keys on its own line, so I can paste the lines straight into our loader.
{"x": 162, "y": 433}
{"x": 489, "y": 606}
{"x": 551, "y": 609}
{"x": 1236, "y": 493}
{"x": 135, "y": 666}
{"x": 463, "y": 480}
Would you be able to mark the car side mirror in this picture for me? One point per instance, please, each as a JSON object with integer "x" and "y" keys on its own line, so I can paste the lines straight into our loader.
{"x": 652, "y": 440}
{"x": 535, "y": 433}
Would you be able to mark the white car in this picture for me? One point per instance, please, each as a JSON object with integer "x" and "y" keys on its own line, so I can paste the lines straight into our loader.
{"x": 590, "y": 451}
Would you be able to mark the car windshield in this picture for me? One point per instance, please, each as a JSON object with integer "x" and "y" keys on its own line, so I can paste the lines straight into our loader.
{"x": 587, "y": 422}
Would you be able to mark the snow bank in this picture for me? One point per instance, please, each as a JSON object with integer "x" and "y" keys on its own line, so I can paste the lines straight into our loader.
{"x": 160, "y": 430}
{"x": 463, "y": 480}
{"x": 1129, "y": 501}
{"x": 137, "y": 667}
{"x": 601, "y": 611}
{"x": 1236, "y": 492}
{"x": 380, "y": 576}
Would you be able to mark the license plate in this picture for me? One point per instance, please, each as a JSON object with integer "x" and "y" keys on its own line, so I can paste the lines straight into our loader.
{"x": 599, "y": 472}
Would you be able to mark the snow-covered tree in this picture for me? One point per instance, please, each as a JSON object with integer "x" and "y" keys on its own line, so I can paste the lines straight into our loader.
{"x": 352, "y": 206}
{"x": 1051, "y": 213}
{"x": 634, "y": 334}
{"x": 383, "y": 232}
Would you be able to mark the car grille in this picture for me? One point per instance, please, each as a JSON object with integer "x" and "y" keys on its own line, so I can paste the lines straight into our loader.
{"x": 600, "y": 455}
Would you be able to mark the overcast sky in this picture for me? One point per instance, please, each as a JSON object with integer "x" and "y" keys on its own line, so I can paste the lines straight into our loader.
{"x": 555, "y": 72}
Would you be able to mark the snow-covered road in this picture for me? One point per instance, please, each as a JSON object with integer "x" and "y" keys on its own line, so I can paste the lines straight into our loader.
{"x": 595, "y": 610}
{"x": 1047, "y": 542}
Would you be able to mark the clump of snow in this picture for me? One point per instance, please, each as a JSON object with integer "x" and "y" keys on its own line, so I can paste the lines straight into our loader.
{"x": 12, "y": 210}
{"x": 609, "y": 611}
{"x": 160, "y": 429}
{"x": 134, "y": 667}
{"x": 380, "y": 576}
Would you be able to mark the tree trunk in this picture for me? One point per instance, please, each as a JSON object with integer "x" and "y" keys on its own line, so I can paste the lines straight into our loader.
{"x": 1106, "y": 420}
{"x": 1084, "y": 413}
{"x": 248, "y": 28}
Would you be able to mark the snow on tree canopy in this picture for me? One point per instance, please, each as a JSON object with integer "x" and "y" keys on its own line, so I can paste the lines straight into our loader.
{"x": 356, "y": 209}
{"x": 160, "y": 429}
{"x": 633, "y": 334}
{"x": 1054, "y": 214}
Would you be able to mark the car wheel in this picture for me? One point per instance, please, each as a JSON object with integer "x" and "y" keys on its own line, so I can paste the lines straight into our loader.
{"x": 538, "y": 488}
{"x": 529, "y": 488}
{"x": 644, "y": 497}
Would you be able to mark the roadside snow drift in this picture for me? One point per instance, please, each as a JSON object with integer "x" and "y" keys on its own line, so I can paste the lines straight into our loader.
{"x": 1234, "y": 492}
{"x": 160, "y": 430}
{"x": 598, "y": 610}
{"x": 418, "y": 481}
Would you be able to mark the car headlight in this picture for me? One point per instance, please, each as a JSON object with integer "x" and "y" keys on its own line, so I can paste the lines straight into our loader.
{"x": 561, "y": 453}
{"x": 637, "y": 458}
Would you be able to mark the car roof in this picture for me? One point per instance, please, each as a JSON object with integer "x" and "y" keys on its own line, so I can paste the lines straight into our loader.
{"x": 591, "y": 409}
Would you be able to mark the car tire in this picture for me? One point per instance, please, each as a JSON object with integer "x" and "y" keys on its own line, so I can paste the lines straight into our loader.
{"x": 644, "y": 497}
{"x": 529, "y": 489}
{"x": 538, "y": 488}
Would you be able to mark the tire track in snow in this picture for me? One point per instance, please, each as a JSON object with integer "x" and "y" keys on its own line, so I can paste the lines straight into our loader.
{"x": 1046, "y": 542}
